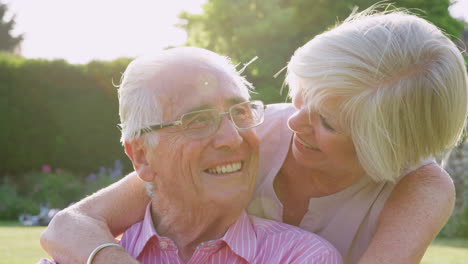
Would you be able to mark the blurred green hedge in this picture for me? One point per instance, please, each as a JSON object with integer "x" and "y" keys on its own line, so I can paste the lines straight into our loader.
{"x": 55, "y": 113}
{"x": 52, "y": 187}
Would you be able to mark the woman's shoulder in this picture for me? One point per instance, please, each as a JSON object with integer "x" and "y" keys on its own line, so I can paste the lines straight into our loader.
{"x": 276, "y": 116}
{"x": 429, "y": 176}
{"x": 275, "y": 137}
{"x": 280, "y": 110}
{"x": 421, "y": 201}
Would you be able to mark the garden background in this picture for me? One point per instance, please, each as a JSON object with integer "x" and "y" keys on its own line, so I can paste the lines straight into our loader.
{"x": 59, "y": 121}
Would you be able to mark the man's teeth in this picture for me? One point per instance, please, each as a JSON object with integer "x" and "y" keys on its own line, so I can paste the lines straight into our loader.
{"x": 228, "y": 168}
{"x": 306, "y": 145}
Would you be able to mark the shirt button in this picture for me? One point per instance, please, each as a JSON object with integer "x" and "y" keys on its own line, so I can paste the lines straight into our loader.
{"x": 163, "y": 244}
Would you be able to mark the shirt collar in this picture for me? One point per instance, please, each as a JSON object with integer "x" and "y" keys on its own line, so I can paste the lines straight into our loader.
{"x": 241, "y": 238}
{"x": 147, "y": 232}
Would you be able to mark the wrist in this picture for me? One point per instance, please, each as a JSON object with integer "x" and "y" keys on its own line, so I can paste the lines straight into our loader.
{"x": 114, "y": 255}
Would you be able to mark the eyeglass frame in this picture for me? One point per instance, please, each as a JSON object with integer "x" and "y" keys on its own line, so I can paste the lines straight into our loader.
{"x": 220, "y": 114}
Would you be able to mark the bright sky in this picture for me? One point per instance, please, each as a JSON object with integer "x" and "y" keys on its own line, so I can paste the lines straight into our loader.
{"x": 82, "y": 30}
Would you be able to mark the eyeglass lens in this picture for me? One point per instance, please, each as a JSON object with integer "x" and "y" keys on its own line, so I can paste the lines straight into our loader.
{"x": 206, "y": 122}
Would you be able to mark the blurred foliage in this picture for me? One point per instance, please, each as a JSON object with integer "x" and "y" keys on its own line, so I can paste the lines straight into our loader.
{"x": 55, "y": 189}
{"x": 25, "y": 193}
{"x": 103, "y": 178}
{"x": 7, "y": 41}
{"x": 12, "y": 205}
{"x": 60, "y": 114}
{"x": 273, "y": 29}
{"x": 457, "y": 225}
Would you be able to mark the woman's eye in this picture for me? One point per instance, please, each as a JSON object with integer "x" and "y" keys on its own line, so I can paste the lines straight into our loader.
{"x": 325, "y": 124}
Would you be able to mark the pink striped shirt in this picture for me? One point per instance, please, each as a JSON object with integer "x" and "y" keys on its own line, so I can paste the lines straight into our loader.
{"x": 248, "y": 240}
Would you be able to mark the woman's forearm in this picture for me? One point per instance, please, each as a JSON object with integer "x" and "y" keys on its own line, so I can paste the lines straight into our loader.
{"x": 76, "y": 231}
{"x": 71, "y": 237}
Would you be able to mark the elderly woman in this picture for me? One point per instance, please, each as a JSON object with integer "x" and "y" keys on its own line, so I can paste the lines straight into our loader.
{"x": 374, "y": 101}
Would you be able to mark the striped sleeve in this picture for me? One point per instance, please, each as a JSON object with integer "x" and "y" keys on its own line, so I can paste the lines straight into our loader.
{"x": 316, "y": 251}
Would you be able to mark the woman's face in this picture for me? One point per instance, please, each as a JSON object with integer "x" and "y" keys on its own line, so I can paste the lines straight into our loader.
{"x": 318, "y": 142}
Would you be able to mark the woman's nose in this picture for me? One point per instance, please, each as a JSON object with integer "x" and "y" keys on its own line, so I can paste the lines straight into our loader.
{"x": 299, "y": 121}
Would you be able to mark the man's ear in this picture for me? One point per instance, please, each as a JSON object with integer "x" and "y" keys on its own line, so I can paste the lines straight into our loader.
{"x": 138, "y": 154}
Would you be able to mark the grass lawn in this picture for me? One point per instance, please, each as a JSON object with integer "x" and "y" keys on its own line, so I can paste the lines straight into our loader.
{"x": 447, "y": 250}
{"x": 20, "y": 245}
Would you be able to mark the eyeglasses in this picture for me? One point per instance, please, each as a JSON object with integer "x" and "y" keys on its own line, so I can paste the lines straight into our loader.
{"x": 204, "y": 123}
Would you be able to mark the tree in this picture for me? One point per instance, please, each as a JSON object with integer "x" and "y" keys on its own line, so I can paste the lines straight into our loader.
{"x": 273, "y": 29}
{"x": 7, "y": 41}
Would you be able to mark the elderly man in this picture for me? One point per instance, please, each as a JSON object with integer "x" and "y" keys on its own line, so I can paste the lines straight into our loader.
{"x": 187, "y": 128}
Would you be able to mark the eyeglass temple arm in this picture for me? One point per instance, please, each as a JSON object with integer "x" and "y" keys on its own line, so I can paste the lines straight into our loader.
{"x": 159, "y": 126}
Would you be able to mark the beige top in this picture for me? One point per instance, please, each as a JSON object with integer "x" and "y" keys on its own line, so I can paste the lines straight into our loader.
{"x": 347, "y": 219}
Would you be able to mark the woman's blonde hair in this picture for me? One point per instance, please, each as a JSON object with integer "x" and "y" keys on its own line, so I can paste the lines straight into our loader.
{"x": 398, "y": 83}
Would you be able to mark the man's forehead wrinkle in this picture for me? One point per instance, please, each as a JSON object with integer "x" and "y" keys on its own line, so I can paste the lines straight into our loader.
{"x": 236, "y": 100}
{"x": 179, "y": 82}
{"x": 193, "y": 79}
{"x": 227, "y": 103}
{"x": 187, "y": 70}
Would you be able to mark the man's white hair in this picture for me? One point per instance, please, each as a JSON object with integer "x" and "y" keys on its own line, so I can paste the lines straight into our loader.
{"x": 139, "y": 93}
{"x": 139, "y": 100}
{"x": 398, "y": 83}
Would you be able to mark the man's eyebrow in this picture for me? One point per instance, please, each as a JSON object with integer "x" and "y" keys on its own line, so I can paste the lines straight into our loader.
{"x": 201, "y": 107}
{"x": 236, "y": 100}
{"x": 229, "y": 102}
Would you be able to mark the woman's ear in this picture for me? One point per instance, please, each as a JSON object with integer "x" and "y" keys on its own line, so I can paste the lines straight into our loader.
{"x": 138, "y": 154}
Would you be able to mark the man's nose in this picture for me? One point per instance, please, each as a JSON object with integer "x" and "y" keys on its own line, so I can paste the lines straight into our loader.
{"x": 227, "y": 134}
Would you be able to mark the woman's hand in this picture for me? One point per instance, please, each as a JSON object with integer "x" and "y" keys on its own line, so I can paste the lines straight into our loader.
{"x": 77, "y": 230}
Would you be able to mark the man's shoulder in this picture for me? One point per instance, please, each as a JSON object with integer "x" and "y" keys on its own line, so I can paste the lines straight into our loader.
{"x": 295, "y": 242}
{"x": 269, "y": 229}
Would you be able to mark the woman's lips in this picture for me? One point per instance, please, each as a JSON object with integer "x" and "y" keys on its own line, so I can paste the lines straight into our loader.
{"x": 300, "y": 141}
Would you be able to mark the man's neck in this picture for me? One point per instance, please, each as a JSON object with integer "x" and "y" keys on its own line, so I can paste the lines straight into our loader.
{"x": 189, "y": 227}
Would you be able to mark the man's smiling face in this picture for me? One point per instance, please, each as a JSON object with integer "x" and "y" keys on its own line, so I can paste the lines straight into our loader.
{"x": 218, "y": 170}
